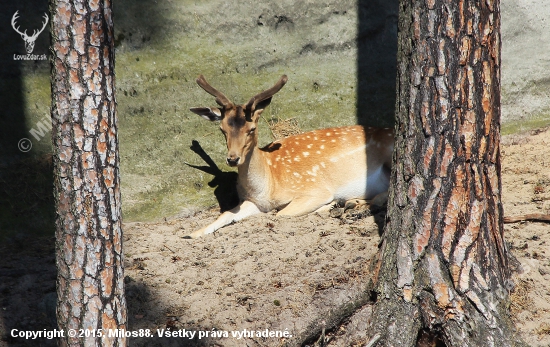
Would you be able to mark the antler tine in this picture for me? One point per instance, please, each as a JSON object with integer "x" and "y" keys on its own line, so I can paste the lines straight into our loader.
{"x": 35, "y": 33}
{"x": 221, "y": 99}
{"x": 267, "y": 93}
{"x": 14, "y": 23}
{"x": 46, "y": 18}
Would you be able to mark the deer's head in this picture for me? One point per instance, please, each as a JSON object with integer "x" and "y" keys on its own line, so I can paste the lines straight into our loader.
{"x": 238, "y": 122}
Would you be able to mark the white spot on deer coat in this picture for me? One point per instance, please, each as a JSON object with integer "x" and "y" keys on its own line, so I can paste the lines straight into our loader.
{"x": 313, "y": 171}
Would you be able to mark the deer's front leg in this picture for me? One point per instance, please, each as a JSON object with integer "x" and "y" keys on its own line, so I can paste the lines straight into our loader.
{"x": 245, "y": 209}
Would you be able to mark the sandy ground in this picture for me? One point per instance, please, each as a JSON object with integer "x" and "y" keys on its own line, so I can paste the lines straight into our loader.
{"x": 286, "y": 275}
{"x": 526, "y": 189}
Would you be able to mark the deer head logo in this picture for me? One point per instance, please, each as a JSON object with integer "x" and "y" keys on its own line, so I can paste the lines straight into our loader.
{"x": 29, "y": 40}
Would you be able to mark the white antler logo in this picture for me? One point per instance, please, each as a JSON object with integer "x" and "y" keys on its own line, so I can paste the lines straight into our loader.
{"x": 29, "y": 40}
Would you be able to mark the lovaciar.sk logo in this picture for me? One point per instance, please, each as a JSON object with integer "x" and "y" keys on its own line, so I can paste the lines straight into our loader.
{"x": 30, "y": 40}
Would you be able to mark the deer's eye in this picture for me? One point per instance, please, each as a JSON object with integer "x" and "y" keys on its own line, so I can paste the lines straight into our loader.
{"x": 251, "y": 131}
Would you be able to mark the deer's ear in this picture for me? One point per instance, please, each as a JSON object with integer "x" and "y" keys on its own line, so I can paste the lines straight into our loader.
{"x": 209, "y": 113}
{"x": 263, "y": 104}
{"x": 260, "y": 108}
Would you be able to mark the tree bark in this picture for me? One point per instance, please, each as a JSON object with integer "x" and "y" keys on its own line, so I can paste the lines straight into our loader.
{"x": 90, "y": 281}
{"x": 442, "y": 276}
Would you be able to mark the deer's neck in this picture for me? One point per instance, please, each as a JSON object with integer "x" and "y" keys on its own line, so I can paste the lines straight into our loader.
{"x": 254, "y": 176}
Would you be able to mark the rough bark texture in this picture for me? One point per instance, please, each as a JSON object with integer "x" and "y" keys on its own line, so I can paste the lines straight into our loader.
{"x": 90, "y": 283}
{"x": 443, "y": 274}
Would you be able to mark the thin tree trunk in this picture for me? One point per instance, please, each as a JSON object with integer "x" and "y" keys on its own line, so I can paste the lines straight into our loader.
{"x": 443, "y": 275}
{"x": 90, "y": 284}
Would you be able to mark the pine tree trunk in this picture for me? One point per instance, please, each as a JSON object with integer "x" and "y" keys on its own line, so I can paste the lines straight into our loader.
{"x": 90, "y": 284}
{"x": 442, "y": 276}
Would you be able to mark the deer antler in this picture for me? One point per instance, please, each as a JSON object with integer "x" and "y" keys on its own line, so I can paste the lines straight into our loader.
{"x": 221, "y": 99}
{"x": 35, "y": 34}
{"x": 24, "y": 34}
{"x": 266, "y": 94}
{"x": 13, "y": 23}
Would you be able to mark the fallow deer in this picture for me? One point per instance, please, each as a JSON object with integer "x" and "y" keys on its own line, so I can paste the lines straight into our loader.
{"x": 299, "y": 174}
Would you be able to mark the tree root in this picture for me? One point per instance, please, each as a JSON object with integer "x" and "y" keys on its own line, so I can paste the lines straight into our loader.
{"x": 330, "y": 320}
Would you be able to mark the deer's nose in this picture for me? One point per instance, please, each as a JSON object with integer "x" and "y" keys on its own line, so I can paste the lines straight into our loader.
{"x": 233, "y": 161}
